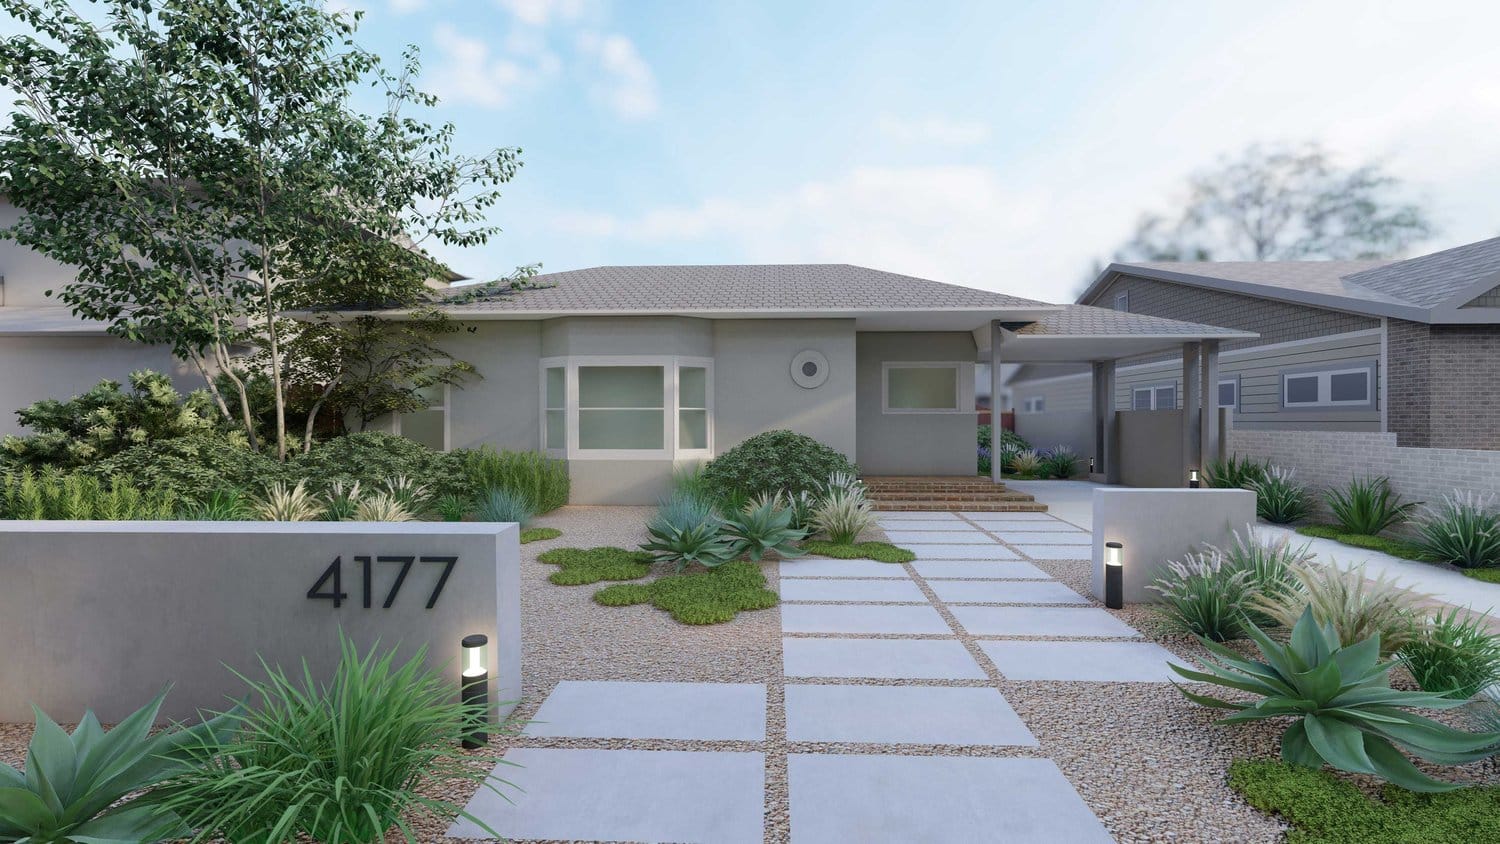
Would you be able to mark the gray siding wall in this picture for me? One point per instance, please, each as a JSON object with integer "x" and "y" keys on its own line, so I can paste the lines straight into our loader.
{"x": 912, "y": 443}
{"x": 36, "y": 368}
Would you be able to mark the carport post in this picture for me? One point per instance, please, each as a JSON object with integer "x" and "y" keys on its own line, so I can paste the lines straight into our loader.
{"x": 1192, "y": 401}
{"x": 1210, "y": 415}
{"x": 995, "y": 387}
{"x": 1104, "y": 421}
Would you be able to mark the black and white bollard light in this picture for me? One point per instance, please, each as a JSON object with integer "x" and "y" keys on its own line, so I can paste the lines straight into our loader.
{"x": 474, "y": 689}
{"x": 1114, "y": 575}
{"x": 1193, "y": 482}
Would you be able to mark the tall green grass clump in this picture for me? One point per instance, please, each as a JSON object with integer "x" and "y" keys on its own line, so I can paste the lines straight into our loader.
{"x": 55, "y": 495}
{"x": 542, "y": 479}
{"x": 1368, "y": 506}
{"x": 1463, "y": 530}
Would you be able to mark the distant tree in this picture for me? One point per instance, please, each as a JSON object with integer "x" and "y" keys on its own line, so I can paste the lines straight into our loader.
{"x": 1282, "y": 204}
{"x": 204, "y": 165}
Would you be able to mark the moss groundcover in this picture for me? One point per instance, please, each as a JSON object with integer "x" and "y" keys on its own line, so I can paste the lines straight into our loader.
{"x": 582, "y": 566}
{"x": 539, "y": 534}
{"x": 1383, "y": 544}
{"x": 700, "y": 597}
{"x": 881, "y": 552}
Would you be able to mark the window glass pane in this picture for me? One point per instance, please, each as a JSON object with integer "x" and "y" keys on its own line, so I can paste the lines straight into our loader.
{"x": 620, "y": 386}
{"x": 425, "y": 427}
{"x": 1226, "y": 394}
{"x": 556, "y": 386}
{"x": 432, "y": 394}
{"x": 625, "y": 429}
{"x": 922, "y": 388}
{"x": 1140, "y": 400}
{"x": 692, "y": 429}
{"x": 1301, "y": 389}
{"x": 692, "y": 386}
{"x": 557, "y": 429}
{"x": 1349, "y": 386}
{"x": 1166, "y": 398}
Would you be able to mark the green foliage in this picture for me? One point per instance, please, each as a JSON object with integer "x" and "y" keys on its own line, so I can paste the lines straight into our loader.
{"x": 337, "y": 761}
{"x": 1368, "y": 506}
{"x": 1454, "y": 655}
{"x": 543, "y": 480}
{"x": 53, "y": 494}
{"x": 1010, "y": 444}
{"x": 1234, "y": 473}
{"x": 1463, "y": 530}
{"x": 539, "y": 534}
{"x": 1060, "y": 462}
{"x": 1346, "y": 713}
{"x": 341, "y": 501}
{"x": 703, "y": 543}
{"x": 842, "y": 514}
{"x": 1384, "y": 544}
{"x": 195, "y": 466}
{"x": 372, "y": 458}
{"x": 452, "y": 508}
{"x": 107, "y": 420}
{"x": 1323, "y": 808}
{"x": 708, "y": 597}
{"x": 1026, "y": 463}
{"x": 1205, "y": 596}
{"x": 774, "y": 461}
{"x": 1356, "y": 606}
{"x": 283, "y": 503}
{"x": 383, "y": 507}
{"x": 1489, "y": 575}
{"x": 1279, "y": 498}
{"x": 759, "y": 529}
{"x": 221, "y": 505}
{"x": 591, "y": 565}
{"x": 78, "y": 789}
{"x": 505, "y": 505}
{"x": 880, "y": 552}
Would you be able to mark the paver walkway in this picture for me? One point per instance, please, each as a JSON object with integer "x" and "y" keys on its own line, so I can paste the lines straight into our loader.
{"x": 895, "y": 727}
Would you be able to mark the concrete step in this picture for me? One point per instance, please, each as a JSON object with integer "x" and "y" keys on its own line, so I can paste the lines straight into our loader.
{"x": 929, "y": 505}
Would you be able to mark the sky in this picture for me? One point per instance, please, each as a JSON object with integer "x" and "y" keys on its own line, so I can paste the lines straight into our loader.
{"x": 1006, "y": 146}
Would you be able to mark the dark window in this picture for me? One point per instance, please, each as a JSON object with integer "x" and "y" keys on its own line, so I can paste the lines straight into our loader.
{"x": 1302, "y": 389}
{"x": 1166, "y": 398}
{"x": 1227, "y": 390}
{"x": 1349, "y": 386}
{"x": 1140, "y": 400}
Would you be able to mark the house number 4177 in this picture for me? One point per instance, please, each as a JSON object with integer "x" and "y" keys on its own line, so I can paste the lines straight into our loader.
{"x": 330, "y": 584}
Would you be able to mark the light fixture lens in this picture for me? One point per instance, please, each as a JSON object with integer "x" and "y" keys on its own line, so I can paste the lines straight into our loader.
{"x": 475, "y": 662}
{"x": 1193, "y": 475}
{"x": 1114, "y": 554}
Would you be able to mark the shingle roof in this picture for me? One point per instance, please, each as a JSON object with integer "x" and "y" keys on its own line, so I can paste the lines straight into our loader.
{"x": 1431, "y": 280}
{"x": 1086, "y": 320}
{"x": 1329, "y": 278}
{"x": 741, "y": 287}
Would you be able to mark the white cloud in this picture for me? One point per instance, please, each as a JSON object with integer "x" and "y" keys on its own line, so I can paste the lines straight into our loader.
{"x": 402, "y": 7}
{"x": 624, "y": 82}
{"x": 543, "y": 12}
{"x": 933, "y": 130}
{"x": 469, "y": 73}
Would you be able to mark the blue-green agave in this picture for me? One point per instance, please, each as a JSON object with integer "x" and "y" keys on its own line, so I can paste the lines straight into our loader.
{"x": 72, "y": 786}
{"x": 1347, "y": 715}
{"x": 764, "y": 526}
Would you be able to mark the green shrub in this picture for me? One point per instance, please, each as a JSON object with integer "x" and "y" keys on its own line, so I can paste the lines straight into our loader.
{"x": 338, "y": 761}
{"x": 539, "y": 534}
{"x": 1490, "y": 575}
{"x": 1279, "y": 498}
{"x": 776, "y": 460}
{"x": 1356, "y": 606}
{"x": 591, "y": 565}
{"x": 194, "y": 466}
{"x": 283, "y": 503}
{"x": 708, "y": 597}
{"x": 1384, "y": 544}
{"x": 452, "y": 508}
{"x": 79, "y": 788}
{"x": 1345, "y": 712}
{"x": 374, "y": 458}
{"x": 1268, "y": 565}
{"x": 1368, "y": 506}
{"x": 221, "y": 505}
{"x": 1026, "y": 463}
{"x": 543, "y": 480}
{"x": 1204, "y": 596}
{"x": 763, "y": 528}
{"x": 1326, "y": 809}
{"x": 1060, "y": 462}
{"x": 1234, "y": 473}
{"x": 107, "y": 420}
{"x": 53, "y": 494}
{"x": 1454, "y": 655}
{"x": 1463, "y": 530}
{"x": 501, "y": 504}
{"x": 880, "y": 552}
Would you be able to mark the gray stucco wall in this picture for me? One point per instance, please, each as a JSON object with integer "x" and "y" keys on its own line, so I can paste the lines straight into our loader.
{"x": 912, "y": 443}
{"x": 627, "y": 336}
{"x": 753, "y": 387}
{"x": 28, "y": 274}
{"x": 1151, "y": 448}
{"x": 35, "y": 368}
{"x": 503, "y": 407}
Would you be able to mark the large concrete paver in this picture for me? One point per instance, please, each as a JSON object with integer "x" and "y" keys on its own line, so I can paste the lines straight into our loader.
{"x": 862, "y": 619}
{"x": 628, "y": 710}
{"x": 903, "y": 715}
{"x": 1062, "y": 622}
{"x": 881, "y": 659}
{"x": 1098, "y": 662}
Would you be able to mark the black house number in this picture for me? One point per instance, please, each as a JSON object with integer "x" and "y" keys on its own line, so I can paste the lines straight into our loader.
{"x": 330, "y": 584}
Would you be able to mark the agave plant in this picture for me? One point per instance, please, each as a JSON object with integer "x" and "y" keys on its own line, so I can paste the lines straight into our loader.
{"x": 1346, "y": 713}
{"x": 281, "y": 503}
{"x": 842, "y": 515}
{"x": 764, "y": 528}
{"x": 1368, "y": 506}
{"x": 703, "y": 543}
{"x": 75, "y": 787}
{"x": 1354, "y": 605}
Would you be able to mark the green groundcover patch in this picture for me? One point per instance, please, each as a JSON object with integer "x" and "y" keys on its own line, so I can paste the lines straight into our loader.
{"x": 1383, "y": 544}
{"x": 539, "y": 534}
{"x": 1325, "y": 809}
{"x": 1489, "y": 575}
{"x": 591, "y": 565}
{"x": 699, "y": 597}
{"x": 881, "y": 552}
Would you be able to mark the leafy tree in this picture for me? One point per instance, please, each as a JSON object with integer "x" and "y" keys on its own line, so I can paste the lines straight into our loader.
{"x": 1282, "y": 204}
{"x": 204, "y": 166}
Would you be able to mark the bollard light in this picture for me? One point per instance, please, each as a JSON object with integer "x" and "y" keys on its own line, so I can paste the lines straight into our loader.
{"x": 1114, "y": 575}
{"x": 1192, "y": 478}
{"x": 474, "y": 689}
{"x": 1091, "y": 465}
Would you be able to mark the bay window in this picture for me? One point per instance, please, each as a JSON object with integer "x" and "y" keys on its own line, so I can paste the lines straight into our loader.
{"x": 627, "y": 407}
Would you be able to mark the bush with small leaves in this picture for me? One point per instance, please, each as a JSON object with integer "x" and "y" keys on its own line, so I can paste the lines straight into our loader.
{"x": 776, "y": 460}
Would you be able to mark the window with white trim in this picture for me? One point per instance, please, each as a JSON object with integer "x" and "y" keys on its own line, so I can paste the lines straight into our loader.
{"x": 627, "y": 407}
{"x": 1155, "y": 397}
{"x": 1122, "y": 301}
{"x": 429, "y": 426}
{"x": 1035, "y": 404}
{"x": 927, "y": 387}
{"x": 1229, "y": 392}
{"x": 1343, "y": 387}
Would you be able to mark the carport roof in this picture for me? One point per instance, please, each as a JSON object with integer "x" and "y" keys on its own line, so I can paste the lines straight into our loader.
{"x": 1086, "y": 333}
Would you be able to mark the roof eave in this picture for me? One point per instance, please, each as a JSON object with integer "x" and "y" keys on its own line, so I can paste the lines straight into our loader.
{"x": 1349, "y": 304}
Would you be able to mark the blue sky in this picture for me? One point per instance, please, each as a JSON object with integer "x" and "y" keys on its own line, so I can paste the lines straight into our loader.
{"x": 1002, "y": 145}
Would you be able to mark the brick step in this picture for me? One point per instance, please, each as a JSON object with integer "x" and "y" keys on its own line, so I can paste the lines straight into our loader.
{"x": 971, "y": 506}
{"x": 954, "y": 500}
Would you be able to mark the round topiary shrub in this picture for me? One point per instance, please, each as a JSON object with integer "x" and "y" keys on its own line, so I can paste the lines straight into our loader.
{"x": 775, "y": 460}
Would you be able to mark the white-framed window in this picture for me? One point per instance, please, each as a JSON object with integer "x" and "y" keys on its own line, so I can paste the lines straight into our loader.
{"x": 1352, "y": 386}
{"x": 627, "y": 407}
{"x": 1229, "y": 392}
{"x": 1122, "y": 301}
{"x": 430, "y": 426}
{"x": 1154, "y": 397}
{"x": 927, "y": 387}
{"x": 1034, "y": 404}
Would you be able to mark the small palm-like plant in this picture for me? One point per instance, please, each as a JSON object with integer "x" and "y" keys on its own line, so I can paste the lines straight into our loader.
{"x": 703, "y": 543}
{"x": 281, "y": 503}
{"x": 842, "y": 515}
{"x": 1463, "y": 530}
{"x": 764, "y": 528}
{"x": 1279, "y": 497}
{"x": 1346, "y": 713}
{"x": 75, "y": 787}
{"x": 1354, "y": 605}
{"x": 1368, "y": 506}
{"x": 1026, "y": 462}
{"x": 382, "y": 507}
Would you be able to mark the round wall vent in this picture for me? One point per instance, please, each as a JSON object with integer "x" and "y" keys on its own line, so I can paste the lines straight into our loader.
{"x": 809, "y": 369}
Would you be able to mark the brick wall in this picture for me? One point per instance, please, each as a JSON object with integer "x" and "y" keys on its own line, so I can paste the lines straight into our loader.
{"x": 1408, "y": 382}
{"x": 1326, "y": 459}
{"x": 1444, "y": 383}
